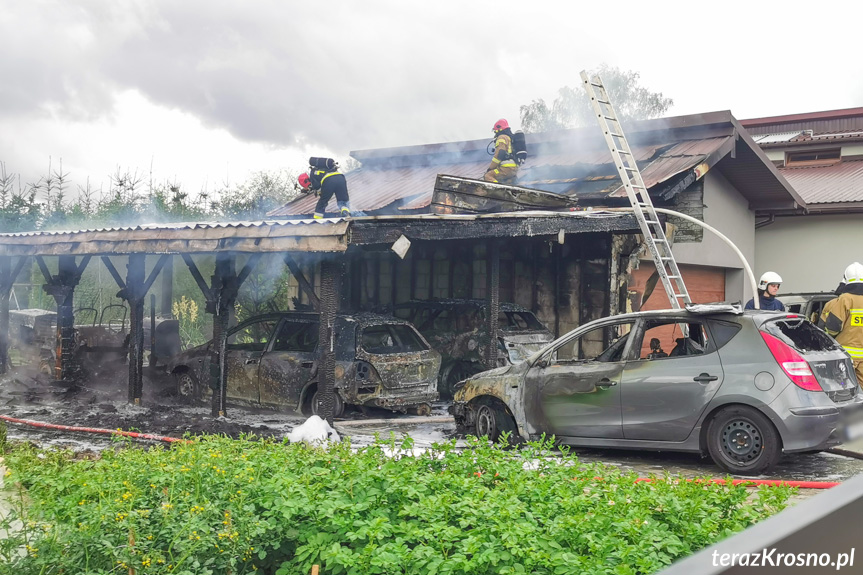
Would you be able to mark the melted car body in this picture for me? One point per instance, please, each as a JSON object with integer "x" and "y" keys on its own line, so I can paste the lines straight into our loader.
{"x": 458, "y": 329}
{"x": 272, "y": 359}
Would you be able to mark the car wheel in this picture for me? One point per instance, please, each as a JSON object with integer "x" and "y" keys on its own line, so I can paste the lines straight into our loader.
{"x": 188, "y": 388}
{"x": 456, "y": 372}
{"x": 338, "y": 404}
{"x": 742, "y": 440}
{"x": 492, "y": 420}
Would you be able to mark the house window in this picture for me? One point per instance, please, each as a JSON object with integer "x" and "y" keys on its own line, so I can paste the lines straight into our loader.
{"x": 814, "y": 157}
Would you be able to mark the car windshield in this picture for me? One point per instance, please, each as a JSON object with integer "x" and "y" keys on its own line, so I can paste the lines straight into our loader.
{"x": 391, "y": 338}
{"x": 518, "y": 320}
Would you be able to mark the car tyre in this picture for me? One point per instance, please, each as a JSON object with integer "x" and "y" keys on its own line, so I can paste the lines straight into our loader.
{"x": 338, "y": 404}
{"x": 492, "y": 420}
{"x": 188, "y": 388}
{"x": 741, "y": 440}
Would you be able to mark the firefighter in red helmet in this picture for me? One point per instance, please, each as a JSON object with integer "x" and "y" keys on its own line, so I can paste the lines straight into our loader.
{"x": 324, "y": 176}
{"x": 503, "y": 168}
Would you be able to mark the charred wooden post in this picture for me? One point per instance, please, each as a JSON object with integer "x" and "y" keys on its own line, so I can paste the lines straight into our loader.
{"x": 221, "y": 295}
{"x": 166, "y": 307}
{"x": 133, "y": 291}
{"x": 330, "y": 271}
{"x": 135, "y": 273}
{"x": 7, "y": 281}
{"x": 492, "y": 295}
{"x": 225, "y": 286}
{"x": 62, "y": 288}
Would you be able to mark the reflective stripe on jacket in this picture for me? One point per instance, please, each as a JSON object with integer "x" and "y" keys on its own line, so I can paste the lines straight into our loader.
{"x": 843, "y": 319}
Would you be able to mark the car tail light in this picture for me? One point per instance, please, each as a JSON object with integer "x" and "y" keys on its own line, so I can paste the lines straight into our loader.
{"x": 792, "y": 363}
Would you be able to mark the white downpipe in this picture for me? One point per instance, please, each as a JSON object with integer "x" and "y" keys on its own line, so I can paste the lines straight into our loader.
{"x": 719, "y": 234}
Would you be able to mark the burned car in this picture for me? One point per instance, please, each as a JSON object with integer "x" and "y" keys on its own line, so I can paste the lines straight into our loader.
{"x": 101, "y": 338}
{"x": 809, "y": 305}
{"x": 743, "y": 387}
{"x": 457, "y": 329}
{"x": 272, "y": 359}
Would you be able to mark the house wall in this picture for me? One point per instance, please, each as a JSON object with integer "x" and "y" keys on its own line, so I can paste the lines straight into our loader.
{"x": 809, "y": 252}
{"x": 728, "y": 211}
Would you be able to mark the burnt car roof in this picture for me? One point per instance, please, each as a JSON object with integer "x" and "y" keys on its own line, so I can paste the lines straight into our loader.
{"x": 476, "y": 303}
{"x": 362, "y": 318}
{"x": 805, "y": 296}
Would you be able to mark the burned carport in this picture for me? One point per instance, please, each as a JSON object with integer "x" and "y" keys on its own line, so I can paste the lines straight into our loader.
{"x": 567, "y": 266}
{"x": 233, "y": 244}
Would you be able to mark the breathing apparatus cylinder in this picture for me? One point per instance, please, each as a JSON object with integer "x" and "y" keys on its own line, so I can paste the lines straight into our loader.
{"x": 327, "y": 164}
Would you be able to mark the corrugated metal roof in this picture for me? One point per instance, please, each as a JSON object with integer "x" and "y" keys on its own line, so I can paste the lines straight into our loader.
{"x": 839, "y": 182}
{"x": 178, "y": 226}
{"x": 328, "y": 235}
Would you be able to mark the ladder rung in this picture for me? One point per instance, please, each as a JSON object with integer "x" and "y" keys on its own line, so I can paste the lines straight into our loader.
{"x": 651, "y": 222}
{"x": 686, "y": 295}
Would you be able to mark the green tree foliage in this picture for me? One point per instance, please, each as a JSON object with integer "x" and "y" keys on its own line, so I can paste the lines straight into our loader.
{"x": 572, "y": 109}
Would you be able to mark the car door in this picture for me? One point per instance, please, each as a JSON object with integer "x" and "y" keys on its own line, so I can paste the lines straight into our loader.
{"x": 665, "y": 389}
{"x": 244, "y": 348}
{"x": 289, "y": 363}
{"x": 574, "y": 390}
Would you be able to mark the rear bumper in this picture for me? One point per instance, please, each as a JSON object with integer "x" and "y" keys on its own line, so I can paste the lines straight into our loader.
{"x": 815, "y": 428}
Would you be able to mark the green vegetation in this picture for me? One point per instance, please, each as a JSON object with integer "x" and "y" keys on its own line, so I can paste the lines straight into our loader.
{"x": 571, "y": 108}
{"x": 217, "y": 505}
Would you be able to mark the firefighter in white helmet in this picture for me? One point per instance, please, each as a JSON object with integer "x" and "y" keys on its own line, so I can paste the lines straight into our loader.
{"x": 768, "y": 287}
{"x": 843, "y": 316}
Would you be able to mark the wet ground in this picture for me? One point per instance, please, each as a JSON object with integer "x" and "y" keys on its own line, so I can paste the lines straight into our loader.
{"x": 101, "y": 402}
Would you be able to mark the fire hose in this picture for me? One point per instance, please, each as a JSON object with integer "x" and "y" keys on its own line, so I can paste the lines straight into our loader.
{"x": 118, "y": 432}
{"x": 152, "y": 437}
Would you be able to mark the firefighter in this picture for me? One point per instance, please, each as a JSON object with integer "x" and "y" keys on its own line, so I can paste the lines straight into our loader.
{"x": 325, "y": 178}
{"x": 843, "y": 317}
{"x": 503, "y": 168}
{"x": 768, "y": 287}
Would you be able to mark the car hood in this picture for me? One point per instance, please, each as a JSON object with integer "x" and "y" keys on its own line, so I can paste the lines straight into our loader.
{"x": 498, "y": 378}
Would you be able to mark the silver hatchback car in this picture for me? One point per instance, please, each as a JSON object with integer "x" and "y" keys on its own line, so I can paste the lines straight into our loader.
{"x": 743, "y": 387}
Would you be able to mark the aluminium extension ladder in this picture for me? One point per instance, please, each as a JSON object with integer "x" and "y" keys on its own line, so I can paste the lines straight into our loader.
{"x": 648, "y": 220}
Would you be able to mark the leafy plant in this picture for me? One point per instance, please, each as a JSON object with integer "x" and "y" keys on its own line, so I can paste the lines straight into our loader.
{"x": 216, "y": 505}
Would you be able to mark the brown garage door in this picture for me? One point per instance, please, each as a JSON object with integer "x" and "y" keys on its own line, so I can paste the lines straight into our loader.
{"x": 705, "y": 284}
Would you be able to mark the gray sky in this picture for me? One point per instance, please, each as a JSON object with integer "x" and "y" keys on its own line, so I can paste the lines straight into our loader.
{"x": 200, "y": 91}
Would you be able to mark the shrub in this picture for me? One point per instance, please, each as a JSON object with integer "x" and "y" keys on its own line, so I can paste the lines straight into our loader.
{"x": 217, "y": 505}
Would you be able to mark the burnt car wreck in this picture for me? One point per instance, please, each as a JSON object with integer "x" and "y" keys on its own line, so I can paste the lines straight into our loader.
{"x": 102, "y": 343}
{"x": 273, "y": 360}
{"x": 457, "y": 329}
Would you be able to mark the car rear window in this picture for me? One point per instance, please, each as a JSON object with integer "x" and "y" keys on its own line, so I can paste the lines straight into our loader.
{"x": 800, "y": 334}
{"x": 391, "y": 338}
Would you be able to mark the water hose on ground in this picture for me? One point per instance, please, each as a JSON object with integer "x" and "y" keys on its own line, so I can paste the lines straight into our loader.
{"x": 149, "y": 436}
{"x": 118, "y": 432}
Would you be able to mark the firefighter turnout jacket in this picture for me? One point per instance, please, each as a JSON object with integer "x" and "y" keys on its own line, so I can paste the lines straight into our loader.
{"x": 503, "y": 168}
{"x": 842, "y": 318}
